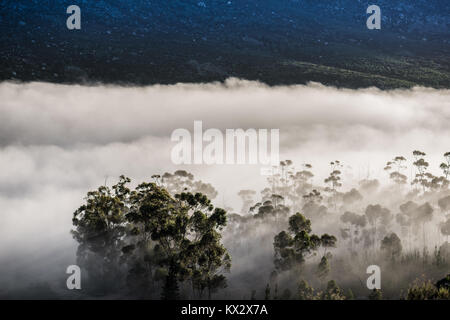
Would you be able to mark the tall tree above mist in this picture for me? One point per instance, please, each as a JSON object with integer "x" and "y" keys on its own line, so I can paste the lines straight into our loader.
{"x": 421, "y": 216}
{"x": 271, "y": 209}
{"x": 313, "y": 207}
{"x": 423, "y": 178}
{"x": 99, "y": 228}
{"x": 352, "y": 196}
{"x": 154, "y": 235}
{"x": 356, "y": 223}
{"x": 391, "y": 246}
{"x": 395, "y": 168}
{"x": 181, "y": 181}
{"x": 294, "y": 246}
{"x": 286, "y": 173}
{"x": 445, "y": 166}
{"x": 301, "y": 181}
{"x": 185, "y": 229}
{"x": 333, "y": 292}
{"x": 288, "y": 183}
{"x": 405, "y": 219}
{"x": 323, "y": 269}
{"x": 334, "y": 181}
{"x": 377, "y": 216}
{"x": 326, "y": 241}
{"x": 247, "y": 197}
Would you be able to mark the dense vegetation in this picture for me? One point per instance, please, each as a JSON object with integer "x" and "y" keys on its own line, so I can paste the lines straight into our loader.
{"x": 145, "y": 237}
{"x": 273, "y": 41}
{"x": 165, "y": 239}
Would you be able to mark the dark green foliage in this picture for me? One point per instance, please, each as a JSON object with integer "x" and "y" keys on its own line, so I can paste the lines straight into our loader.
{"x": 155, "y": 237}
{"x": 323, "y": 268}
{"x": 292, "y": 247}
{"x": 305, "y": 291}
{"x": 333, "y": 292}
{"x": 99, "y": 229}
{"x": 376, "y": 294}
{"x": 444, "y": 283}
{"x": 350, "y": 295}
{"x": 425, "y": 290}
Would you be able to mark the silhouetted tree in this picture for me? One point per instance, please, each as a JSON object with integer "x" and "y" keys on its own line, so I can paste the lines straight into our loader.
{"x": 391, "y": 246}
{"x": 292, "y": 247}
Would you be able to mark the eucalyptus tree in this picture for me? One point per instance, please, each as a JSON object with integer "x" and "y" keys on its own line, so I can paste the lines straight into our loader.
{"x": 406, "y": 219}
{"x": 391, "y": 247}
{"x": 323, "y": 269}
{"x": 185, "y": 229}
{"x": 333, "y": 292}
{"x": 334, "y": 180}
{"x": 395, "y": 168}
{"x": 287, "y": 171}
{"x": 377, "y": 216}
{"x": 155, "y": 220}
{"x": 445, "y": 166}
{"x": 421, "y": 216}
{"x": 426, "y": 290}
{"x": 313, "y": 207}
{"x": 313, "y": 196}
{"x": 326, "y": 241}
{"x": 271, "y": 210}
{"x": 154, "y": 235}
{"x": 305, "y": 291}
{"x": 294, "y": 246}
{"x": 100, "y": 229}
{"x": 351, "y": 197}
{"x": 247, "y": 197}
{"x": 302, "y": 184}
{"x": 356, "y": 223}
{"x": 181, "y": 181}
{"x": 422, "y": 177}
{"x": 203, "y": 257}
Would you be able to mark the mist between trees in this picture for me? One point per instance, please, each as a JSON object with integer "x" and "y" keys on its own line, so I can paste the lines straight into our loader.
{"x": 293, "y": 239}
{"x": 59, "y": 142}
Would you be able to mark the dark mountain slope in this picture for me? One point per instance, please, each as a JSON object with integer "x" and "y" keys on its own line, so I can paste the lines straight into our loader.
{"x": 278, "y": 42}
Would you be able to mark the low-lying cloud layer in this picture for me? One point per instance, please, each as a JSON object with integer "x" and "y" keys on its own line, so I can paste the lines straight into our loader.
{"x": 57, "y": 142}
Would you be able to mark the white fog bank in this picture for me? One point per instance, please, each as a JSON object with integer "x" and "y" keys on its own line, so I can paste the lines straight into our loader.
{"x": 58, "y": 141}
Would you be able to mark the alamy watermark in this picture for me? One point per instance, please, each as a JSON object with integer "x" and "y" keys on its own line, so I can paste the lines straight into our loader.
{"x": 73, "y": 22}
{"x": 374, "y": 20}
{"x": 234, "y": 146}
{"x": 74, "y": 280}
{"x": 374, "y": 280}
